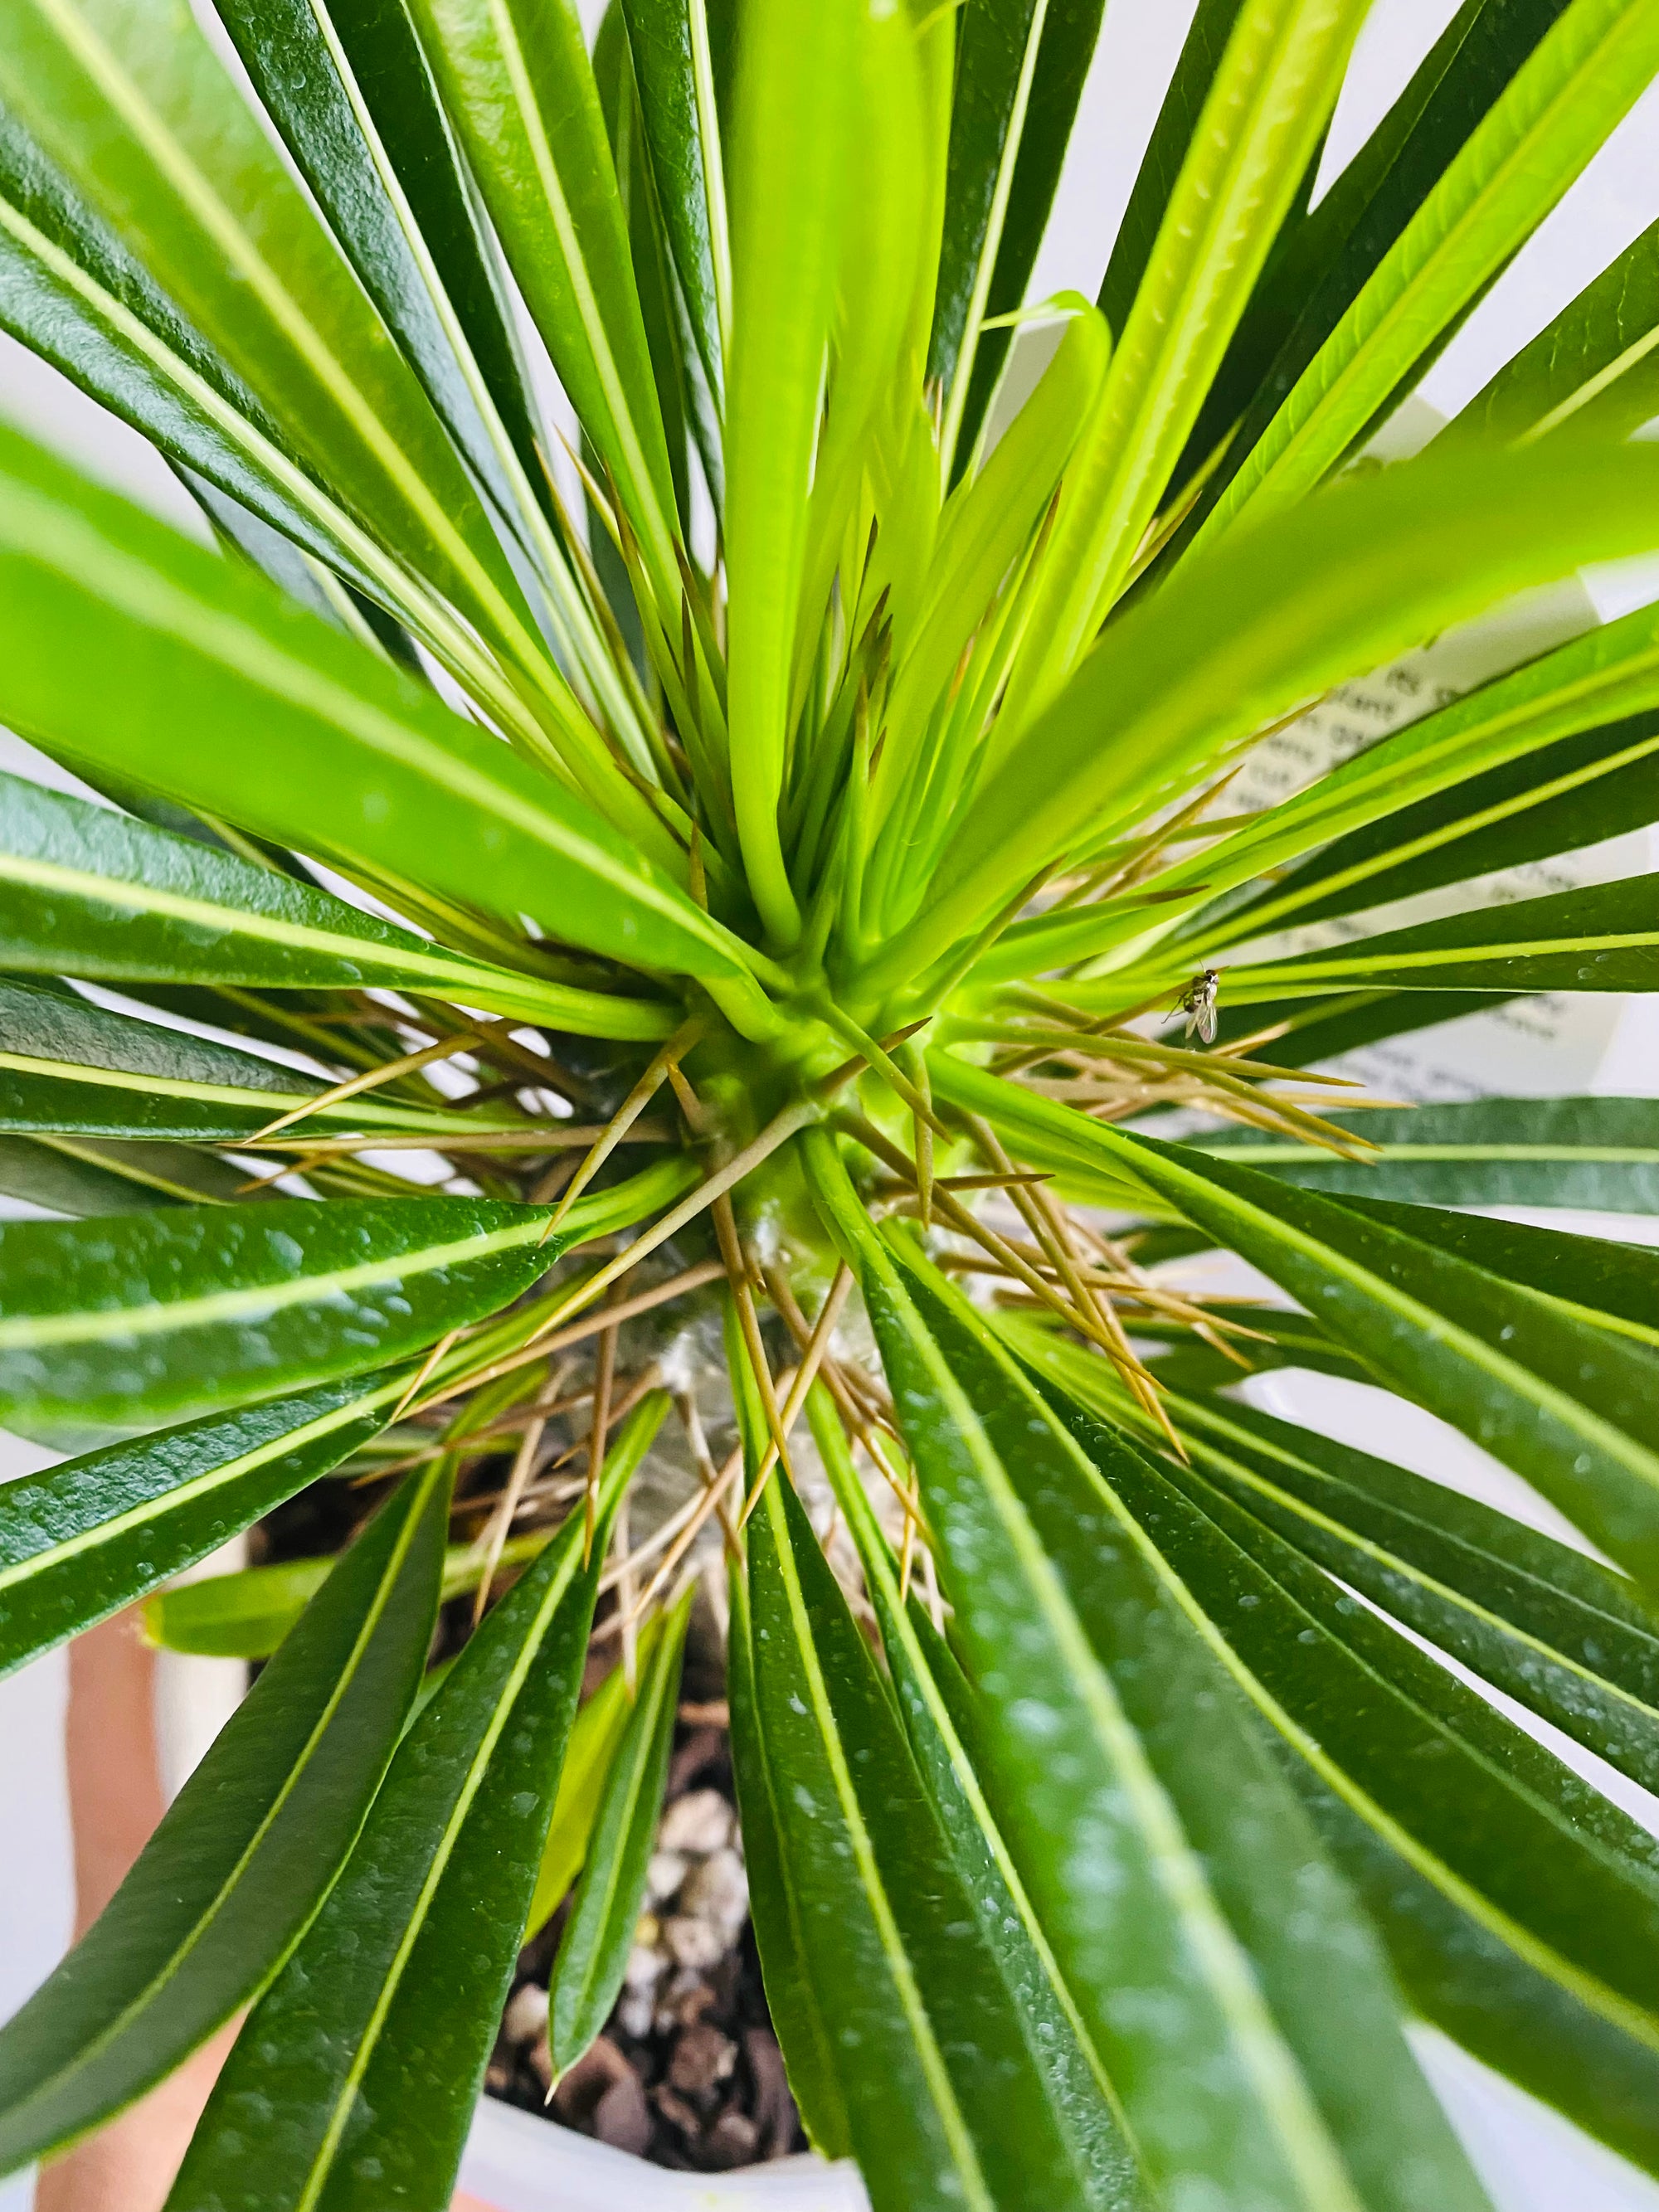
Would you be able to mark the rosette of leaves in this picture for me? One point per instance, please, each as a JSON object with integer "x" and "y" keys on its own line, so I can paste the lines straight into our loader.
{"x": 505, "y": 887}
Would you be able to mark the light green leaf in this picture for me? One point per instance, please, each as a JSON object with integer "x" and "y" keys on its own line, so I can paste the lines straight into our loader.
{"x": 1272, "y": 92}
{"x": 244, "y": 1855}
{"x": 1286, "y": 612}
{"x": 101, "y": 604}
{"x": 1581, "y": 80}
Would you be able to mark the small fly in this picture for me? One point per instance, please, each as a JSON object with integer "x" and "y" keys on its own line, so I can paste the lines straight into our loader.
{"x": 1198, "y": 1002}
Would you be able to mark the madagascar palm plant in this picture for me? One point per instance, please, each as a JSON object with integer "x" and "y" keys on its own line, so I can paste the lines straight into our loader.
{"x": 547, "y": 910}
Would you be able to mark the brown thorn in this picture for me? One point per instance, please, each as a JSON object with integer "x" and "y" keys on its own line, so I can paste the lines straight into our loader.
{"x": 421, "y": 1376}
{"x": 501, "y": 1519}
{"x": 603, "y": 1376}
{"x": 445, "y": 1049}
{"x": 627, "y": 1113}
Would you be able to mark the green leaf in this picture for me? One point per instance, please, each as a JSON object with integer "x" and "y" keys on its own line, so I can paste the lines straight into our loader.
{"x": 86, "y": 891}
{"x": 944, "y": 2103}
{"x": 791, "y": 178}
{"x": 136, "y": 1319}
{"x": 1556, "y": 800}
{"x": 1065, "y": 50}
{"x": 1537, "y": 1620}
{"x": 935, "y": 1704}
{"x": 1515, "y": 1899}
{"x": 673, "y": 67}
{"x": 1304, "y": 601}
{"x": 141, "y": 115}
{"x": 353, "y": 2082}
{"x": 1308, "y": 290}
{"x": 1202, "y": 53}
{"x": 1157, "y": 1842}
{"x": 1272, "y": 95}
{"x": 1599, "y": 1153}
{"x": 1567, "y": 1403}
{"x": 598, "y": 1935}
{"x": 803, "y": 2031}
{"x": 1592, "y": 367}
{"x": 514, "y": 78}
{"x": 240, "y": 1861}
{"x": 1578, "y": 83}
{"x": 1600, "y": 937}
{"x": 998, "y": 46}
{"x": 82, "y": 1176}
{"x": 1430, "y": 778}
{"x": 1310, "y": 1032}
{"x": 594, "y": 1735}
{"x": 102, "y": 603}
{"x": 337, "y": 80}
{"x": 83, "y": 1539}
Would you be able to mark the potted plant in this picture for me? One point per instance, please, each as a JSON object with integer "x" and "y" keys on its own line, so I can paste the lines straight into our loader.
{"x": 766, "y": 923}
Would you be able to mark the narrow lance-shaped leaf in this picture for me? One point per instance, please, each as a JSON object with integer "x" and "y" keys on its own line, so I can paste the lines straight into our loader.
{"x": 81, "y": 1540}
{"x": 1555, "y": 1630}
{"x": 366, "y": 2057}
{"x": 1144, "y": 1816}
{"x": 1338, "y": 247}
{"x": 944, "y": 2104}
{"x": 594, "y": 1735}
{"x": 1516, "y": 1902}
{"x": 517, "y": 85}
{"x": 1307, "y": 599}
{"x": 102, "y": 601}
{"x": 247, "y": 1851}
{"x": 90, "y": 1175}
{"x": 142, "y": 116}
{"x": 1601, "y": 938}
{"x": 1567, "y": 1402}
{"x": 1609, "y": 674}
{"x": 1593, "y": 370}
{"x": 1065, "y": 50}
{"x": 598, "y": 1935}
{"x": 1272, "y": 91}
{"x": 89, "y": 892}
{"x": 1599, "y": 1153}
{"x": 921, "y": 1666}
{"x": 138, "y": 1318}
{"x": 1581, "y": 79}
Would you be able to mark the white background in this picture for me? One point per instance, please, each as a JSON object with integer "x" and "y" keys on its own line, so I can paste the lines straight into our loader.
{"x": 1532, "y": 2161}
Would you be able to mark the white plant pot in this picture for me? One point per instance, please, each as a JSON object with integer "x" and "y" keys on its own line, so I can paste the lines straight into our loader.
{"x": 518, "y": 2163}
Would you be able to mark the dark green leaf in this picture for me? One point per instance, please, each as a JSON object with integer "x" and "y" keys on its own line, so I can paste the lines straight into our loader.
{"x": 1599, "y": 1153}
{"x": 1592, "y": 367}
{"x": 1156, "y": 1839}
{"x": 136, "y": 1319}
{"x": 1539, "y": 1620}
{"x": 353, "y": 2082}
{"x": 932, "y": 1697}
{"x": 86, "y": 891}
{"x": 83, "y": 1539}
{"x": 598, "y": 1934}
{"x": 240, "y": 1861}
{"x": 1070, "y": 29}
{"x": 944, "y": 2104}
{"x": 87, "y": 1174}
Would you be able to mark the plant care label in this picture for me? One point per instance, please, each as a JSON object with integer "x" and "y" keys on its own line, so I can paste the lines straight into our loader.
{"x": 1546, "y": 1046}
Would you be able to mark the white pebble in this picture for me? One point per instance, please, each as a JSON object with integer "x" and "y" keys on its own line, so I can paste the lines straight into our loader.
{"x": 717, "y": 1891}
{"x": 664, "y": 1874}
{"x": 695, "y": 1943}
{"x": 643, "y": 1968}
{"x": 526, "y": 2017}
{"x": 700, "y": 1822}
{"x": 635, "y": 2012}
